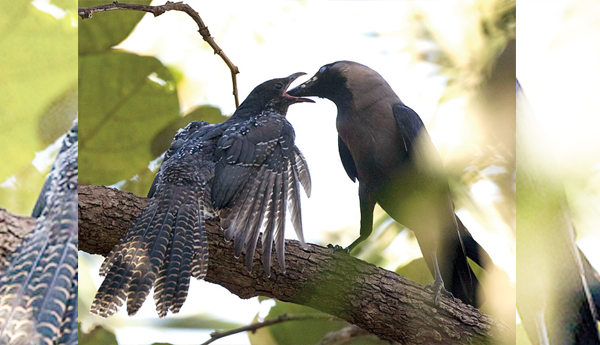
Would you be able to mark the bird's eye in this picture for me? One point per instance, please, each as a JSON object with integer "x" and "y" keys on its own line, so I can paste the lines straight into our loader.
{"x": 278, "y": 86}
{"x": 322, "y": 70}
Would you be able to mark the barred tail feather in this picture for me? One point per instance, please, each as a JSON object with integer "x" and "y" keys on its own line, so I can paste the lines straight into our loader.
{"x": 70, "y": 334}
{"x": 118, "y": 265}
{"x": 53, "y": 288}
{"x": 159, "y": 251}
{"x": 36, "y": 287}
{"x": 154, "y": 250}
{"x": 200, "y": 256}
{"x": 16, "y": 315}
{"x": 171, "y": 278}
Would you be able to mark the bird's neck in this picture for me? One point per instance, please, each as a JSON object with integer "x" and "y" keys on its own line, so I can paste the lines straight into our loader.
{"x": 246, "y": 110}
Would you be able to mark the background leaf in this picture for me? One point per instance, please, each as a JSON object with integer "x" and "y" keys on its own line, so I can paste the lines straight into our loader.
{"x": 289, "y": 333}
{"x": 38, "y": 71}
{"x": 107, "y": 29}
{"x": 98, "y": 336}
{"x": 124, "y": 101}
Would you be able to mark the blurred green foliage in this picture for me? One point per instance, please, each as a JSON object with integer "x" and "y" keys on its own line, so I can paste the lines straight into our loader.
{"x": 98, "y": 336}
{"x": 301, "y": 331}
{"x": 38, "y": 92}
{"x": 128, "y": 105}
{"x": 124, "y": 101}
{"x": 106, "y": 30}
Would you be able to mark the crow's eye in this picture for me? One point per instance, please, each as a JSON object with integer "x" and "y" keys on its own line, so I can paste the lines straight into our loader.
{"x": 322, "y": 70}
{"x": 278, "y": 86}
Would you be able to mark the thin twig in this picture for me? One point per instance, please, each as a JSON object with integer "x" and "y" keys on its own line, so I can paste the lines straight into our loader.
{"x": 87, "y": 12}
{"x": 281, "y": 318}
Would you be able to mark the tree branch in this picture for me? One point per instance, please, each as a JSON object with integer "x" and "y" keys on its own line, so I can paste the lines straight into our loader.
{"x": 87, "y": 12}
{"x": 379, "y": 301}
{"x": 13, "y": 230}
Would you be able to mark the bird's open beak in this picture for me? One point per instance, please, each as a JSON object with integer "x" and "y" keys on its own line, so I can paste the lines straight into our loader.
{"x": 303, "y": 89}
{"x": 295, "y": 99}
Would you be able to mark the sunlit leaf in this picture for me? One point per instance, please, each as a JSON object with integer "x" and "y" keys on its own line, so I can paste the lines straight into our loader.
{"x": 58, "y": 116}
{"x": 416, "y": 271}
{"x": 21, "y": 193}
{"x": 39, "y": 63}
{"x": 310, "y": 331}
{"x": 106, "y": 29}
{"x": 124, "y": 101}
{"x": 261, "y": 336}
{"x": 98, "y": 336}
{"x": 522, "y": 336}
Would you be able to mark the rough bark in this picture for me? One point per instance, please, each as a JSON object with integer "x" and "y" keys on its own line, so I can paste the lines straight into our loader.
{"x": 13, "y": 230}
{"x": 377, "y": 300}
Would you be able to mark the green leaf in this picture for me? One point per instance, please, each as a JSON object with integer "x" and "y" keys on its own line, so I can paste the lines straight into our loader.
{"x": 39, "y": 63}
{"x": 296, "y": 332}
{"x": 262, "y": 336}
{"x": 106, "y": 29}
{"x": 98, "y": 336}
{"x": 522, "y": 338}
{"x": 417, "y": 271}
{"x": 20, "y": 196}
{"x": 163, "y": 139}
{"x": 53, "y": 123}
{"x": 124, "y": 101}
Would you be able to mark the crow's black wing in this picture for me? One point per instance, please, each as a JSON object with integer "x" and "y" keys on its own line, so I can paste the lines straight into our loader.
{"x": 347, "y": 160}
{"x": 409, "y": 124}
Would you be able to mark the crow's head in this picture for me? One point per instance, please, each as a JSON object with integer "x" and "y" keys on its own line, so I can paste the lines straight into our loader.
{"x": 341, "y": 82}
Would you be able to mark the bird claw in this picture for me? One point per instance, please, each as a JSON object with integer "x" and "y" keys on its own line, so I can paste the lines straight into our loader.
{"x": 437, "y": 287}
{"x": 337, "y": 248}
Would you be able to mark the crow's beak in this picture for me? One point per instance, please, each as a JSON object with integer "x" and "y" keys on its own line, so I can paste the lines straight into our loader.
{"x": 294, "y": 98}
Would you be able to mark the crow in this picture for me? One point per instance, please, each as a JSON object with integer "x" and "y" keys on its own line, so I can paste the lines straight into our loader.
{"x": 246, "y": 170}
{"x": 384, "y": 145}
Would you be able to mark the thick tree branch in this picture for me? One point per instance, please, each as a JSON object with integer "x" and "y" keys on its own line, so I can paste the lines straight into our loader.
{"x": 87, "y": 12}
{"x": 13, "y": 230}
{"x": 379, "y": 301}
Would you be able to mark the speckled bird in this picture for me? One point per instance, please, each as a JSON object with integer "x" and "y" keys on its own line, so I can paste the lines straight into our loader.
{"x": 38, "y": 290}
{"x": 246, "y": 170}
